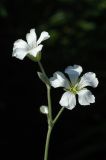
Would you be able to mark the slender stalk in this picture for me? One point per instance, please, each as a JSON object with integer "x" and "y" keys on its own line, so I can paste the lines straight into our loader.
{"x": 58, "y": 115}
{"x": 41, "y": 67}
{"x": 51, "y": 122}
{"x": 49, "y": 116}
{"x": 47, "y": 143}
{"x": 49, "y": 106}
{"x": 47, "y": 82}
{"x": 50, "y": 126}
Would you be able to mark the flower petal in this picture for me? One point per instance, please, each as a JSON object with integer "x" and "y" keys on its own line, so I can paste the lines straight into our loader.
{"x": 73, "y": 73}
{"x": 19, "y": 53}
{"x": 85, "y": 97}
{"x": 20, "y": 44}
{"x": 44, "y": 35}
{"x": 31, "y": 38}
{"x": 59, "y": 80}
{"x": 68, "y": 100}
{"x": 35, "y": 51}
{"x": 88, "y": 79}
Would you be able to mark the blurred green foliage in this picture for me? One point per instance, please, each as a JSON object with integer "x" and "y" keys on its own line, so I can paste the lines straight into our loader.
{"x": 3, "y": 12}
{"x": 62, "y": 18}
{"x": 77, "y": 28}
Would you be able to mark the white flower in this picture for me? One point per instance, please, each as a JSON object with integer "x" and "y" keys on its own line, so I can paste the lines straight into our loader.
{"x": 32, "y": 47}
{"x": 44, "y": 109}
{"x": 75, "y": 86}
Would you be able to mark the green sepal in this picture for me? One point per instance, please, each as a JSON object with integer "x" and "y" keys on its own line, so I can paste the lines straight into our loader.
{"x": 35, "y": 59}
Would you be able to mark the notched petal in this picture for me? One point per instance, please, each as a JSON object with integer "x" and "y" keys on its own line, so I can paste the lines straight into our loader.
{"x": 59, "y": 80}
{"x": 44, "y": 36}
{"x": 85, "y": 97}
{"x": 73, "y": 73}
{"x": 36, "y": 50}
{"x": 88, "y": 79}
{"x": 68, "y": 100}
{"x": 20, "y": 44}
{"x": 19, "y": 53}
{"x": 31, "y": 38}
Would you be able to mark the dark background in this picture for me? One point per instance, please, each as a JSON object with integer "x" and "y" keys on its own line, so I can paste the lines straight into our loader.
{"x": 78, "y": 36}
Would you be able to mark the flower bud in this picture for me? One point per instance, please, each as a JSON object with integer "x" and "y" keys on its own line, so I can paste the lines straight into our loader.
{"x": 44, "y": 109}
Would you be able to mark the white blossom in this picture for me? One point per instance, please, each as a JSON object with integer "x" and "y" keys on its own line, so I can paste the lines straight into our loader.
{"x": 75, "y": 86}
{"x": 32, "y": 47}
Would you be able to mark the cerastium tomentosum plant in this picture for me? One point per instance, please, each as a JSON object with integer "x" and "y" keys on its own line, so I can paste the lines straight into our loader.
{"x": 73, "y": 86}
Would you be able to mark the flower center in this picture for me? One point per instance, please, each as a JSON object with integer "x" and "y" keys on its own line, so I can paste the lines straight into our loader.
{"x": 73, "y": 89}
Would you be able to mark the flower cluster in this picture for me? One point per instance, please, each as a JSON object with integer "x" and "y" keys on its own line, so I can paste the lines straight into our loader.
{"x": 73, "y": 86}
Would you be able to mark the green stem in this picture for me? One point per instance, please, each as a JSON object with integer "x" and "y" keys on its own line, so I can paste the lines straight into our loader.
{"x": 58, "y": 115}
{"x": 47, "y": 143}
{"x": 50, "y": 126}
{"x": 49, "y": 106}
{"x": 51, "y": 122}
{"x": 41, "y": 67}
{"x": 47, "y": 82}
{"x": 49, "y": 116}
